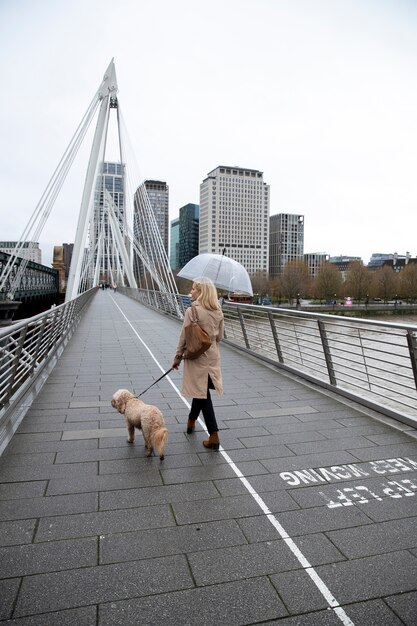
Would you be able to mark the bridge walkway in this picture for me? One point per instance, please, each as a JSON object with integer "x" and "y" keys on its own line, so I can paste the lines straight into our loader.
{"x": 307, "y": 516}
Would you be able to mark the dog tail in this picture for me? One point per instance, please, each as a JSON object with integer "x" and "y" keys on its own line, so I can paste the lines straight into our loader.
{"x": 160, "y": 437}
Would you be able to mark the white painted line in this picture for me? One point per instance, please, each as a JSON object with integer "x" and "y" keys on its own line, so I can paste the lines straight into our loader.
{"x": 320, "y": 584}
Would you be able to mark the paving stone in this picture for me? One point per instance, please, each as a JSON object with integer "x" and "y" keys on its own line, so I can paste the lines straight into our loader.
{"x": 298, "y": 592}
{"x": 405, "y": 606}
{"x": 314, "y": 447}
{"x": 28, "y": 447}
{"x": 16, "y": 532}
{"x": 29, "y": 460}
{"x": 234, "y": 563}
{"x": 157, "y": 495}
{"x": 23, "y": 473}
{"x": 217, "y": 509}
{"x": 321, "y": 519}
{"x": 197, "y": 474}
{"x": 279, "y": 411}
{"x": 8, "y": 592}
{"x": 131, "y": 465}
{"x": 40, "y": 507}
{"x": 47, "y": 557}
{"x": 373, "y": 613}
{"x": 392, "y": 509}
{"x": 371, "y": 577}
{"x": 101, "y": 522}
{"x": 376, "y": 538}
{"x": 91, "y": 433}
{"x": 15, "y": 491}
{"x": 105, "y": 483}
{"x": 169, "y": 541}
{"x": 72, "y": 617}
{"x": 105, "y": 583}
{"x": 304, "y": 461}
{"x": 387, "y": 452}
{"x": 236, "y": 604}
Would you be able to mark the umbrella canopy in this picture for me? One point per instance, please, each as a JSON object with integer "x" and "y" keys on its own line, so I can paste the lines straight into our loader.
{"x": 225, "y": 273}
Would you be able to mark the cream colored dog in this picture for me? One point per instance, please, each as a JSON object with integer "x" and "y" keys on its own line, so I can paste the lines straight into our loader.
{"x": 145, "y": 417}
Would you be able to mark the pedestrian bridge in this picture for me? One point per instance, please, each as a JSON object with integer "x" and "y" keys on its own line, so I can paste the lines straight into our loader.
{"x": 307, "y": 514}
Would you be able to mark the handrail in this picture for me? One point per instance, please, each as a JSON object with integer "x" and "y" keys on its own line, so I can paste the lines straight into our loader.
{"x": 371, "y": 362}
{"x": 27, "y": 349}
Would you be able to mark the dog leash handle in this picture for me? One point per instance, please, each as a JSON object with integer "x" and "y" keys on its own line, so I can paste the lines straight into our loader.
{"x": 156, "y": 381}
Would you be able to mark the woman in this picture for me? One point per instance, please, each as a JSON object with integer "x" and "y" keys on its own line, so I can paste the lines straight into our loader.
{"x": 203, "y": 373}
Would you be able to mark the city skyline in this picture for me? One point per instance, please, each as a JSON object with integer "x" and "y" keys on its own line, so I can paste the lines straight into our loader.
{"x": 321, "y": 102}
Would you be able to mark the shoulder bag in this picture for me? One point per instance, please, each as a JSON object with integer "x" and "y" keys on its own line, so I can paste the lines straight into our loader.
{"x": 197, "y": 341}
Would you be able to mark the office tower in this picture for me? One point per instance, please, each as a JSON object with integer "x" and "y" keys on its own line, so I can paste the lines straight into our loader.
{"x": 150, "y": 230}
{"x": 188, "y": 233}
{"x": 314, "y": 261}
{"x": 286, "y": 241}
{"x": 112, "y": 179}
{"x": 174, "y": 239}
{"x": 158, "y": 194}
{"x": 234, "y": 216}
{"x": 30, "y": 250}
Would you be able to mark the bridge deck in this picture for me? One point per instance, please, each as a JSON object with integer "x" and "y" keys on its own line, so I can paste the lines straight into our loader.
{"x": 93, "y": 533}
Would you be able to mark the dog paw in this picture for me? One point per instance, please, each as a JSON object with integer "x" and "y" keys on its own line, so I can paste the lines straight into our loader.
{"x": 161, "y": 458}
{"x": 130, "y": 441}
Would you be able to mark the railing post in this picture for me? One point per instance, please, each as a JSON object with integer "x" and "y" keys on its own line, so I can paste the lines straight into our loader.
{"x": 327, "y": 354}
{"x": 16, "y": 360}
{"x": 275, "y": 336}
{"x": 412, "y": 347}
{"x": 37, "y": 346}
{"x": 242, "y": 324}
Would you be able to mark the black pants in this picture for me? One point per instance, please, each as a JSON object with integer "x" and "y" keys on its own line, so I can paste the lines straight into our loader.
{"x": 205, "y": 405}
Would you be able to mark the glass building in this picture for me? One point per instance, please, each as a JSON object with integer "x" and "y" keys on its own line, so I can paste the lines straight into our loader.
{"x": 174, "y": 244}
{"x": 188, "y": 233}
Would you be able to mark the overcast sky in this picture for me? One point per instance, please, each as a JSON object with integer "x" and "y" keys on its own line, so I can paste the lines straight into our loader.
{"x": 320, "y": 95}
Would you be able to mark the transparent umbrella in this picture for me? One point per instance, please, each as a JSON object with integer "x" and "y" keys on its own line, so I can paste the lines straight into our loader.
{"x": 225, "y": 273}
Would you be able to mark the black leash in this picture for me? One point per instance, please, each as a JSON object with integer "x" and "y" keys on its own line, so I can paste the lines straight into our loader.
{"x": 156, "y": 381}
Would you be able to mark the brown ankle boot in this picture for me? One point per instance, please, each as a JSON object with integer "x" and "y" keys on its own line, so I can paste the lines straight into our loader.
{"x": 190, "y": 426}
{"x": 212, "y": 442}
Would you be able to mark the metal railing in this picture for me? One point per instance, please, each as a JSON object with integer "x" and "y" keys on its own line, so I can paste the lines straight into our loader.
{"x": 372, "y": 362}
{"x": 170, "y": 303}
{"x": 27, "y": 348}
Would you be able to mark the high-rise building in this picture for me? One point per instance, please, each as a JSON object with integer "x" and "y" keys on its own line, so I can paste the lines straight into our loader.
{"x": 234, "y": 216}
{"x": 314, "y": 261}
{"x": 158, "y": 194}
{"x": 286, "y": 241}
{"x": 174, "y": 242}
{"x": 188, "y": 233}
{"x": 150, "y": 228}
{"x": 113, "y": 180}
{"x": 30, "y": 250}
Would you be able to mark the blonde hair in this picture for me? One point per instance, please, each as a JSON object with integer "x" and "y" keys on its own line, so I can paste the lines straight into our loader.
{"x": 208, "y": 294}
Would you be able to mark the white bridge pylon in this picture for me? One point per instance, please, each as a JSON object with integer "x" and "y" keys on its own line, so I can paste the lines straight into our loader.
{"x": 118, "y": 241}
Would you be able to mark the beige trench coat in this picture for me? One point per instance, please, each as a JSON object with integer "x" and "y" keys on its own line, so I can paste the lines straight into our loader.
{"x": 197, "y": 371}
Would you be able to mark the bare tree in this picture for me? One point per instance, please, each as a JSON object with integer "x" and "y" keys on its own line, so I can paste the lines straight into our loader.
{"x": 385, "y": 283}
{"x": 329, "y": 282}
{"x": 408, "y": 282}
{"x": 359, "y": 281}
{"x": 294, "y": 280}
{"x": 259, "y": 283}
